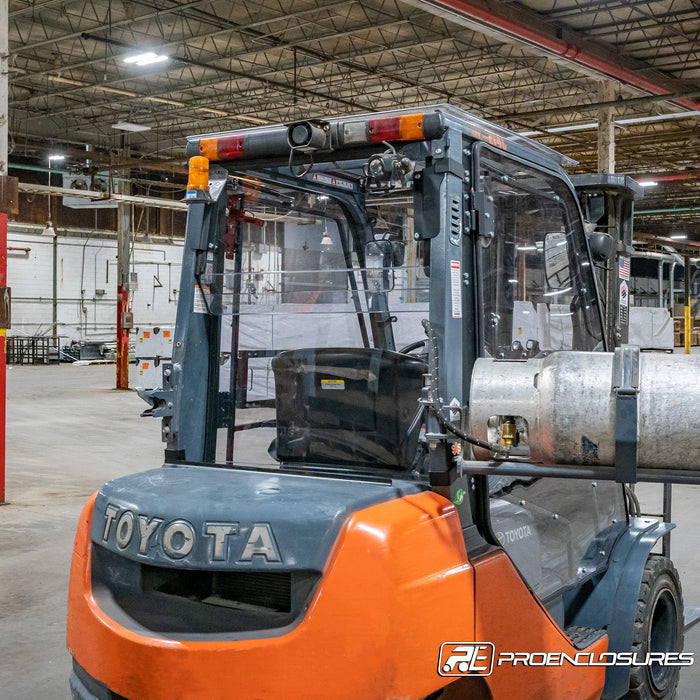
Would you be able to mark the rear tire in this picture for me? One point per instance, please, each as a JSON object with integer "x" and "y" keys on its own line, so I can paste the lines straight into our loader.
{"x": 658, "y": 627}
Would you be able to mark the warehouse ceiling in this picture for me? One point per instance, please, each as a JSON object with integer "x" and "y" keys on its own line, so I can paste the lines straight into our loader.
{"x": 534, "y": 66}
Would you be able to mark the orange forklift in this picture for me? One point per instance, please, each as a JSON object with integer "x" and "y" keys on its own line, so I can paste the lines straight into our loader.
{"x": 398, "y": 440}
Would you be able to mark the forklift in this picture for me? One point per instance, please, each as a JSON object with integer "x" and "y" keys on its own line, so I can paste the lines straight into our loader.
{"x": 399, "y": 441}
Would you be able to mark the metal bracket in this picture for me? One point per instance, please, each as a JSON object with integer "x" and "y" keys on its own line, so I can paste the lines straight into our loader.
{"x": 485, "y": 213}
{"x": 625, "y": 385}
{"x": 160, "y": 400}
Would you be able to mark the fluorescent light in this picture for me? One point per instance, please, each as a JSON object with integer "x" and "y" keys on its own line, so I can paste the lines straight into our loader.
{"x": 152, "y": 59}
{"x": 526, "y": 247}
{"x": 67, "y": 81}
{"x": 138, "y": 57}
{"x": 572, "y": 127}
{"x": 618, "y": 122}
{"x": 128, "y": 126}
{"x": 146, "y": 59}
{"x": 114, "y": 91}
{"x": 246, "y": 118}
{"x": 208, "y": 110}
{"x": 56, "y": 156}
{"x": 658, "y": 117}
{"x": 162, "y": 100}
{"x": 678, "y": 236}
{"x": 514, "y": 282}
{"x": 647, "y": 183}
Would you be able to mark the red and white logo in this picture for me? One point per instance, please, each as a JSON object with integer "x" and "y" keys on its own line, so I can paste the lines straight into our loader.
{"x": 466, "y": 659}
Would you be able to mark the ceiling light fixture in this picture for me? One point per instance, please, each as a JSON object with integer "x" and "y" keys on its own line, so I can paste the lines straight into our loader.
{"x": 114, "y": 91}
{"x": 128, "y": 126}
{"x": 67, "y": 81}
{"x": 146, "y": 59}
{"x": 208, "y": 110}
{"x": 647, "y": 183}
{"x": 618, "y": 122}
{"x": 162, "y": 100}
{"x": 678, "y": 236}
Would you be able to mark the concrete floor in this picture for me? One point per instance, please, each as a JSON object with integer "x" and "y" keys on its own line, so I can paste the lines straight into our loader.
{"x": 67, "y": 433}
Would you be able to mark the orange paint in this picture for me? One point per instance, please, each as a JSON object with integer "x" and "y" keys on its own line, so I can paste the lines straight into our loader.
{"x": 510, "y": 616}
{"x": 397, "y": 584}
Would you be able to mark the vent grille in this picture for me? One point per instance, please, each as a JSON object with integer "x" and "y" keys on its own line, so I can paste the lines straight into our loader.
{"x": 455, "y": 218}
{"x": 270, "y": 590}
{"x": 195, "y": 604}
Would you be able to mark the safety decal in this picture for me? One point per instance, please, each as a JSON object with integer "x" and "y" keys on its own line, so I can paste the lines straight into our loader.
{"x": 456, "y": 288}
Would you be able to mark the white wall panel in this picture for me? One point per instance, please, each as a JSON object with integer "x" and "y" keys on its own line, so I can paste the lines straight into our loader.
{"x": 87, "y": 284}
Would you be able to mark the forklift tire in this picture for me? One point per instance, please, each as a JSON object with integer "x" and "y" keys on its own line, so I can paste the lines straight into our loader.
{"x": 658, "y": 627}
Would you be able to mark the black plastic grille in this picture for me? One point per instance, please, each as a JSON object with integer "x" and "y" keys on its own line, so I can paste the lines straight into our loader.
{"x": 186, "y": 603}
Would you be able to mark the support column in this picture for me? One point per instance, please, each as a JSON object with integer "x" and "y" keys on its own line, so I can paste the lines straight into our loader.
{"x": 688, "y": 326}
{"x": 4, "y": 47}
{"x": 606, "y": 128}
{"x": 123, "y": 249}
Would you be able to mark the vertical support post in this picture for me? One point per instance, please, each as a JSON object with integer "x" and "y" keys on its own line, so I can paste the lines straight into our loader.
{"x": 3, "y": 337}
{"x": 686, "y": 308}
{"x": 54, "y": 315}
{"x": 4, "y": 87}
{"x": 123, "y": 249}
{"x": 666, "y": 510}
{"x": 4, "y": 117}
{"x": 606, "y": 129}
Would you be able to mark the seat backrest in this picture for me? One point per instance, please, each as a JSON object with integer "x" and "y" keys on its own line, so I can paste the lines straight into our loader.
{"x": 350, "y": 406}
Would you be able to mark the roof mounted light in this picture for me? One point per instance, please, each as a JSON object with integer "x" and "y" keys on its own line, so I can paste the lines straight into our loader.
{"x": 315, "y": 135}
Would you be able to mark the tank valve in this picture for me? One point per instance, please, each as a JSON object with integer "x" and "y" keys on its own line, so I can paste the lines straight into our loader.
{"x": 509, "y": 433}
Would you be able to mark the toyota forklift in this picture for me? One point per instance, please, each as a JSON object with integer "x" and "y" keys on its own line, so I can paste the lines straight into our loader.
{"x": 398, "y": 439}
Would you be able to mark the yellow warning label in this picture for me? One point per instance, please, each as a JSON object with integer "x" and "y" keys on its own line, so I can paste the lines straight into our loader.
{"x": 335, "y": 384}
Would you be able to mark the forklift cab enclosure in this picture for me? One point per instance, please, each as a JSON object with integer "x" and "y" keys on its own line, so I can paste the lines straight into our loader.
{"x": 340, "y": 279}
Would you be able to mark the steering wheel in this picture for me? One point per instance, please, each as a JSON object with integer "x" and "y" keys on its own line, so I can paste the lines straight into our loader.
{"x": 406, "y": 349}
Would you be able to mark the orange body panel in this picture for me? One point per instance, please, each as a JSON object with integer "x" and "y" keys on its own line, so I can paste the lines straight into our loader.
{"x": 511, "y": 617}
{"x": 397, "y": 585}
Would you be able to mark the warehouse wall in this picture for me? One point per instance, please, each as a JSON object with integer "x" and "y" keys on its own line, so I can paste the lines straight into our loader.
{"x": 86, "y": 282}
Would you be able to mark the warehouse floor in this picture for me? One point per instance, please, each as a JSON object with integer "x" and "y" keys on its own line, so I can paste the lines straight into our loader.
{"x": 67, "y": 433}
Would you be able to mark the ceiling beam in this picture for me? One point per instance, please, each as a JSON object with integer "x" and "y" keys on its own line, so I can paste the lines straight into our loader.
{"x": 515, "y": 23}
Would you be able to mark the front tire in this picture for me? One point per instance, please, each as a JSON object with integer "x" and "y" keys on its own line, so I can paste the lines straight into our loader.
{"x": 658, "y": 627}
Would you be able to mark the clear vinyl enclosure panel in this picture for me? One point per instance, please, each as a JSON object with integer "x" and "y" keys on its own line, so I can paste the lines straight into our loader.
{"x": 309, "y": 371}
{"x": 538, "y": 295}
{"x": 538, "y": 291}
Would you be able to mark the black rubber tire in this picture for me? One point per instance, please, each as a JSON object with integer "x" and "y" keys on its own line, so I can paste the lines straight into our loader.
{"x": 658, "y": 627}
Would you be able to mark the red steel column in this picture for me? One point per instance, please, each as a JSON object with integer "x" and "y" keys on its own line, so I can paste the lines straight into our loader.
{"x": 123, "y": 251}
{"x": 3, "y": 373}
{"x": 122, "y": 339}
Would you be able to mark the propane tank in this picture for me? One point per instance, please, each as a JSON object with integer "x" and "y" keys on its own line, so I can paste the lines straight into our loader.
{"x": 560, "y": 409}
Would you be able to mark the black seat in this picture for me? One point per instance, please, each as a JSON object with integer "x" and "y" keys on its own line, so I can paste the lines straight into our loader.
{"x": 349, "y": 406}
